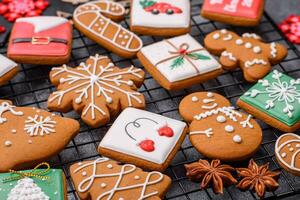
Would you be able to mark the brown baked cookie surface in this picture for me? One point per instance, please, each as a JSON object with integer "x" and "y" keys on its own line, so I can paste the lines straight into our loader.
{"x": 248, "y": 52}
{"x": 8, "y": 69}
{"x": 30, "y": 135}
{"x": 217, "y": 130}
{"x": 107, "y": 179}
{"x": 93, "y": 19}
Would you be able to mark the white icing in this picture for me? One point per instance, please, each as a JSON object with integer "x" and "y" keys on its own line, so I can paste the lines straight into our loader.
{"x": 228, "y": 111}
{"x": 229, "y": 56}
{"x": 223, "y": 31}
{"x": 195, "y": 99}
{"x": 247, "y": 3}
{"x": 39, "y": 125}
{"x": 239, "y": 42}
{"x": 228, "y": 37}
{"x": 109, "y": 166}
{"x": 255, "y": 61}
{"x": 27, "y": 189}
{"x": 7, "y": 143}
{"x": 14, "y": 131}
{"x": 209, "y": 107}
{"x": 42, "y": 23}
{"x": 216, "y": 36}
{"x": 103, "y": 185}
{"x": 251, "y": 35}
{"x": 139, "y": 17}
{"x": 136, "y": 177}
{"x": 84, "y": 173}
{"x": 6, "y": 65}
{"x": 273, "y": 49}
{"x": 116, "y": 138}
{"x": 247, "y": 122}
{"x": 237, "y": 139}
{"x": 248, "y": 45}
{"x": 126, "y": 169}
{"x": 6, "y": 107}
{"x": 159, "y": 51}
{"x": 229, "y": 128}
{"x": 208, "y": 100}
{"x": 213, "y": 2}
{"x": 283, "y": 155}
{"x": 232, "y": 7}
{"x": 291, "y": 149}
{"x": 210, "y": 94}
{"x": 208, "y": 132}
{"x": 256, "y": 49}
{"x": 221, "y": 119}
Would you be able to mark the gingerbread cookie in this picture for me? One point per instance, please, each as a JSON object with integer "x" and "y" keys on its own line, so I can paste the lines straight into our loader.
{"x": 30, "y": 135}
{"x": 235, "y": 12}
{"x": 248, "y": 52}
{"x": 160, "y": 17}
{"x": 41, "y": 40}
{"x": 95, "y": 89}
{"x": 8, "y": 69}
{"x": 145, "y": 139}
{"x": 93, "y": 19}
{"x": 217, "y": 130}
{"x": 106, "y": 179}
{"x": 44, "y": 184}
{"x": 287, "y": 150}
{"x": 179, "y": 62}
{"x": 275, "y": 100}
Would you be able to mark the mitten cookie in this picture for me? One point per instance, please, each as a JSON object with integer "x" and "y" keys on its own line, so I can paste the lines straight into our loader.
{"x": 235, "y": 12}
{"x": 94, "y": 20}
{"x": 8, "y": 69}
{"x": 160, "y": 17}
{"x": 95, "y": 89}
{"x": 106, "y": 179}
{"x": 217, "y": 130}
{"x": 275, "y": 100}
{"x": 287, "y": 150}
{"x": 30, "y": 135}
{"x": 248, "y": 52}
{"x": 41, "y": 40}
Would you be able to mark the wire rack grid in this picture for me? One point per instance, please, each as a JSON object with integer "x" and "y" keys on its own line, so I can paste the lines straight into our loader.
{"x": 31, "y": 87}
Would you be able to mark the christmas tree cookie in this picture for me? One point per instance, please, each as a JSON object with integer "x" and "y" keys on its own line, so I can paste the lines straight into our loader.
{"x": 275, "y": 100}
{"x": 160, "y": 17}
{"x": 179, "y": 62}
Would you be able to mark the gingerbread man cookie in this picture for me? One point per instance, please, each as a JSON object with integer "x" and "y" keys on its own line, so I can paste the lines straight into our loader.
{"x": 30, "y": 135}
{"x": 94, "y": 20}
{"x": 217, "y": 130}
{"x": 95, "y": 88}
{"x": 248, "y": 52}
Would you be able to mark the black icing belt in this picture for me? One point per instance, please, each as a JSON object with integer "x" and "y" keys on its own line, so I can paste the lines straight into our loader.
{"x": 39, "y": 40}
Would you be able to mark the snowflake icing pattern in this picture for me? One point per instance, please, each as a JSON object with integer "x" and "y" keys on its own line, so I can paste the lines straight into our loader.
{"x": 279, "y": 91}
{"x": 91, "y": 81}
{"x": 38, "y": 125}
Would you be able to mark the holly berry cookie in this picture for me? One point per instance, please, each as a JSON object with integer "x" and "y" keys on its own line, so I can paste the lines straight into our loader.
{"x": 96, "y": 89}
{"x": 145, "y": 139}
{"x": 93, "y": 19}
{"x": 248, "y": 52}
{"x": 30, "y": 135}
{"x": 217, "y": 130}
{"x": 160, "y": 17}
{"x": 287, "y": 150}
{"x": 179, "y": 62}
{"x": 8, "y": 69}
{"x": 41, "y": 40}
{"x": 235, "y": 12}
{"x": 107, "y": 179}
{"x": 275, "y": 100}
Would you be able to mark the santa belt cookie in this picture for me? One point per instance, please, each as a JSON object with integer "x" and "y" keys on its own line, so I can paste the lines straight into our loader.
{"x": 39, "y": 40}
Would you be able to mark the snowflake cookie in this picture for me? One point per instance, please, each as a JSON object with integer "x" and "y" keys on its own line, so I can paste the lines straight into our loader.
{"x": 160, "y": 17}
{"x": 94, "y": 19}
{"x": 51, "y": 185}
{"x": 145, "y": 139}
{"x": 235, "y": 12}
{"x": 218, "y": 130}
{"x": 8, "y": 69}
{"x": 275, "y": 99}
{"x": 96, "y": 88}
{"x": 179, "y": 62}
{"x": 29, "y": 135}
{"x": 107, "y": 179}
{"x": 248, "y": 52}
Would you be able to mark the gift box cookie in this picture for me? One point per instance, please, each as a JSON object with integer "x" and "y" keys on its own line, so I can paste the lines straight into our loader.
{"x": 145, "y": 139}
{"x": 41, "y": 40}
{"x": 160, "y": 17}
{"x": 107, "y": 179}
{"x": 179, "y": 62}
{"x": 275, "y": 100}
{"x": 41, "y": 184}
{"x": 235, "y": 12}
{"x": 8, "y": 69}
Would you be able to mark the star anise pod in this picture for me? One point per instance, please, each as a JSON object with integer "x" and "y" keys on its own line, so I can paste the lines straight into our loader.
{"x": 258, "y": 178}
{"x": 211, "y": 173}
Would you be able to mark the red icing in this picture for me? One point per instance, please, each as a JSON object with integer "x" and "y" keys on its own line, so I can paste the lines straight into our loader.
{"x": 63, "y": 31}
{"x": 237, "y": 8}
{"x": 147, "y": 145}
{"x": 163, "y": 8}
{"x": 166, "y": 131}
{"x": 291, "y": 28}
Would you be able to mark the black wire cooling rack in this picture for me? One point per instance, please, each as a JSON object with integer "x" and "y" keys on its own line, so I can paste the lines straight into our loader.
{"x": 31, "y": 87}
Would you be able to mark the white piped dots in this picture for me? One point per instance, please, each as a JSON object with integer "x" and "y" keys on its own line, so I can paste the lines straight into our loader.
{"x": 103, "y": 185}
{"x": 78, "y": 100}
{"x": 130, "y": 83}
{"x": 237, "y": 139}
{"x": 239, "y": 42}
{"x": 216, "y": 36}
{"x": 195, "y": 99}
{"x": 256, "y": 49}
{"x": 221, "y": 119}
{"x": 283, "y": 155}
{"x": 209, "y": 94}
{"x": 136, "y": 177}
{"x": 29, "y": 141}
{"x": 126, "y": 36}
{"x": 84, "y": 173}
{"x": 229, "y": 128}
{"x": 14, "y": 131}
{"x": 109, "y": 166}
{"x": 109, "y": 100}
{"x": 248, "y": 45}
{"x": 298, "y": 145}
{"x": 120, "y": 36}
{"x": 291, "y": 149}
{"x": 223, "y": 31}
{"x": 7, "y": 143}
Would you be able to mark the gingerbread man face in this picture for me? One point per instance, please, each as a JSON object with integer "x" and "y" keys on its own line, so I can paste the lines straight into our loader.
{"x": 217, "y": 130}
{"x": 248, "y": 52}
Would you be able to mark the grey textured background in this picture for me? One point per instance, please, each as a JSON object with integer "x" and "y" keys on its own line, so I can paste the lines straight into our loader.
{"x": 280, "y": 9}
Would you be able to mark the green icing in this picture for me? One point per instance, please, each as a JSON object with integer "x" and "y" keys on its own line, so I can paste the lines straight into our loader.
{"x": 52, "y": 187}
{"x": 277, "y": 95}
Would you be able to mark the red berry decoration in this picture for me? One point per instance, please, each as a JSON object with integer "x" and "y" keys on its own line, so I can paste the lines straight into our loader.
{"x": 2, "y": 29}
{"x": 14, "y": 9}
{"x": 159, "y": 7}
{"x": 291, "y": 28}
{"x": 147, "y": 145}
{"x": 166, "y": 131}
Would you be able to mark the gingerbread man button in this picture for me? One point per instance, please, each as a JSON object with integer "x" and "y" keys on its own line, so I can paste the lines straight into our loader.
{"x": 217, "y": 130}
